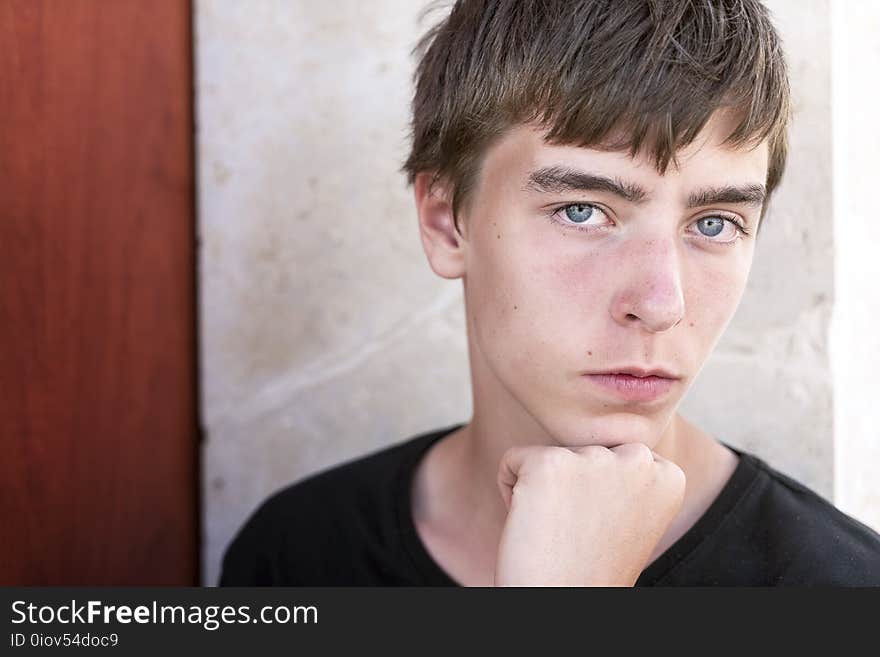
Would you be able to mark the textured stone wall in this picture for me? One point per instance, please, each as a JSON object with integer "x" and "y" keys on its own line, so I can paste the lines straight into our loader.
{"x": 325, "y": 335}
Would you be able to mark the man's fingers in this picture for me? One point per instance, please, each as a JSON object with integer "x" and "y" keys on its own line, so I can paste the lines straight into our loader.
{"x": 511, "y": 462}
{"x": 510, "y": 467}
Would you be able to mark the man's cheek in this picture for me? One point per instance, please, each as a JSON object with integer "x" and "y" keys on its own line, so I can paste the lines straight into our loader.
{"x": 713, "y": 306}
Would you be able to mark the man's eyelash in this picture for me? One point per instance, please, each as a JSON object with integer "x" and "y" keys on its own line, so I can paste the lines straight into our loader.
{"x": 739, "y": 226}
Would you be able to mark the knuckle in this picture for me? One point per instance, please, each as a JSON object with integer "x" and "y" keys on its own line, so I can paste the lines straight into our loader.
{"x": 594, "y": 452}
{"x": 677, "y": 474}
{"x": 643, "y": 452}
{"x": 672, "y": 475}
{"x": 551, "y": 458}
{"x": 511, "y": 453}
{"x": 637, "y": 452}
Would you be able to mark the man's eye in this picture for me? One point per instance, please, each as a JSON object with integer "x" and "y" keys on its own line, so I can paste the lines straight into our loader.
{"x": 579, "y": 212}
{"x": 574, "y": 216}
{"x": 713, "y": 226}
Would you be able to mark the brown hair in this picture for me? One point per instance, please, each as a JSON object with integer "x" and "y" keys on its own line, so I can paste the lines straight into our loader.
{"x": 653, "y": 71}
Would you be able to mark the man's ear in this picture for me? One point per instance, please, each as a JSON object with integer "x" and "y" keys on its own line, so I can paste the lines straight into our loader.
{"x": 442, "y": 243}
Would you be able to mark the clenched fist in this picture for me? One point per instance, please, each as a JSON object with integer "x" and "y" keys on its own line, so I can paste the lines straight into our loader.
{"x": 586, "y": 516}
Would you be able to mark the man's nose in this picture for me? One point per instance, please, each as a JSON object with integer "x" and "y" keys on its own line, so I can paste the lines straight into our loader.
{"x": 650, "y": 292}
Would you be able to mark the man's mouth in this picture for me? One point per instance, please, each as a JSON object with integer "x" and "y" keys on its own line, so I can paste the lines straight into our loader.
{"x": 633, "y": 388}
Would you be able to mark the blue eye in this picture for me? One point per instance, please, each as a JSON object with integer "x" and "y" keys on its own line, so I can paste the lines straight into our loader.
{"x": 714, "y": 225}
{"x": 579, "y": 213}
{"x": 710, "y": 227}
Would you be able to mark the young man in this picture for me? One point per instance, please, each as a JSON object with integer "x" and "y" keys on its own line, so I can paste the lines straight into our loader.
{"x": 596, "y": 174}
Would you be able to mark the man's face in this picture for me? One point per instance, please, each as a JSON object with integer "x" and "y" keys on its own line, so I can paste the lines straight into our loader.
{"x": 579, "y": 260}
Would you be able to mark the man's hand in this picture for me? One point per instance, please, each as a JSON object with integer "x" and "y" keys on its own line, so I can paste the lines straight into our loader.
{"x": 586, "y": 516}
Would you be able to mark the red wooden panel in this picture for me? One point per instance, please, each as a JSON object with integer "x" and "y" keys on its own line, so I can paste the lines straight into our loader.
{"x": 98, "y": 476}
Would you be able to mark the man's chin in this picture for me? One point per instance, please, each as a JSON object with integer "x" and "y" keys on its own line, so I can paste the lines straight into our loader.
{"x": 608, "y": 430}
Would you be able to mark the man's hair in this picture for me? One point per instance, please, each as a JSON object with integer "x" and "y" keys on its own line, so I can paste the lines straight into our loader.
{"x": 611, "y": 74}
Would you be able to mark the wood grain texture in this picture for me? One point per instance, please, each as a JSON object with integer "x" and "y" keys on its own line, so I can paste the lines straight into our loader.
{"x": 98, "y": 480}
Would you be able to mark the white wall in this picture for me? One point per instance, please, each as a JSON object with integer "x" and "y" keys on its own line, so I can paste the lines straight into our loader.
{"x": 325, "y": 335}
{"x": 856, "y": 322}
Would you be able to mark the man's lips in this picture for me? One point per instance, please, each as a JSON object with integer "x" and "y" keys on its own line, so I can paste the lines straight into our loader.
{"x": 640, "y": 371}
{"x": 633, "y": 388}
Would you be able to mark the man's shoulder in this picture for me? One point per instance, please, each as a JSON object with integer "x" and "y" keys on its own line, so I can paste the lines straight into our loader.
{"x": 329, "y": 490}
{"x": 812, "y": 541}
{"x": 300, "y": 526}
{"x": 374, "y": 473}
{"x": 355, "y": 476}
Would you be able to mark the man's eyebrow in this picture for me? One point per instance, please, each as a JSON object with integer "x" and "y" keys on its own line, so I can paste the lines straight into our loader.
{"x": 563, "y": 179}
{"x": 556, "y": 179}
{"x": 747, "y": 194}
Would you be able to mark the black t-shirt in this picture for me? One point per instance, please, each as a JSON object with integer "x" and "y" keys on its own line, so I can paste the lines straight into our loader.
{"x": 352, "y": 525}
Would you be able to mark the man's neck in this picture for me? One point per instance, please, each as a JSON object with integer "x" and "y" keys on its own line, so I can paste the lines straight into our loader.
{"x": 477, "y": 448}
{"x": 457, "y": 503}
